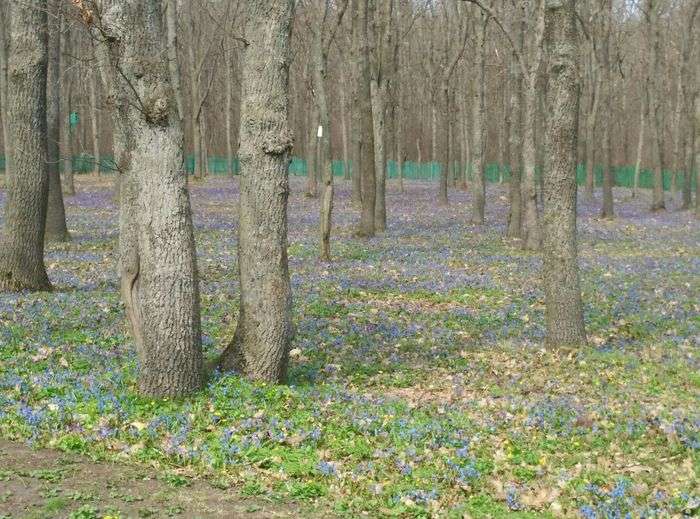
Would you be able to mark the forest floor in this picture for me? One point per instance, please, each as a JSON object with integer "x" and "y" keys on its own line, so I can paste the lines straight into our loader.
{"x": 418, "y": 387}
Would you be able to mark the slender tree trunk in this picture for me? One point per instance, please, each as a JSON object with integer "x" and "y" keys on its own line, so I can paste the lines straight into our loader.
{"x": 344, "y": 127}
{"x": 229, "y": 109}
{"x": 22, "y": 247}
{"x": 365, "y": 125}
{"x": 94, "y": 109}
{"x": 4, "y": 25}
{"x": 696, "y": 125}
{"x": 56, "y": 229}
{"x": 640, "y": 146}
{"x": 689, "y": 147}
{"x": 378, "y": 93}
{"x": 608, "y": 210}
{"x": 591, "y": 118}
{"x": 173, "y": 60}
{"x": 67, "y": 137}
{"x": 564, "y": 308}
{"x": 530, "y": 233}
{"x": 479, "y": 200}
{"x": 320, "y": 64}
{"x": 654, "y": 30}
{"x": 157, "y": 257}
{"x": 259, "y": 349}
{"x": 516, "y": 150}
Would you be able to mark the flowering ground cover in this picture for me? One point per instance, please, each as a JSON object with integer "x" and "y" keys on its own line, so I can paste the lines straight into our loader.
{"x": 418, "y": 386}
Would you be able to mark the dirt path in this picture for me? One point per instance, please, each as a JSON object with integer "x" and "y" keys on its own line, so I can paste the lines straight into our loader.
{"x": 43, "y": 484}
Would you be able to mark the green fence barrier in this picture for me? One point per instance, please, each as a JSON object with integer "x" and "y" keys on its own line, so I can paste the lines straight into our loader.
{"x": 430, "y": 171}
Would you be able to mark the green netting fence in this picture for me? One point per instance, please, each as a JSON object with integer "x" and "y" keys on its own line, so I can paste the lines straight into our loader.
{"x": 427, "y": 171}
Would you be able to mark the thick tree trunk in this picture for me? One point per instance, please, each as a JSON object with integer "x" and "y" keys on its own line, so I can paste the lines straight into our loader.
{"x": 564, "y": 309}
{"x": 22, "y": 247}
{"x": 157, "y": 258}
{"x": 530, "y": 233}
{"x": 259, "y": 349}
{"x": 56, "y": 229}
{"x": 479, "y": 190}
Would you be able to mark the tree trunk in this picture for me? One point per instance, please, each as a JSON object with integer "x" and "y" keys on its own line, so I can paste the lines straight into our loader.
{"x": 608, "y": 179}
{"x": 564, "y": 308}
{"x": 67, "y": 137}
{"x": 56, "y": 229}
{"x": 320, "y": 63}
{"x": 516, "y": 150}
{"x": 96, "y": 159}
{"x": 22, "y": 248}
{"x": 479, "y": 200}
{"x": 696, "y": 125}
{"x": 4, "y": 110}
{"x": 654, "y": 32}
{"x": 344, "y": 128}
{"x": 365, "y": 128}
{"x": 157, "y": 257}
{"x": 229, "y": 109}
{"x": 173, "y": 60}
{"x": 591, "y": 118}
{"x": 640, "y": 146}
{"x": 259, "y": 349}
{"x": 530, "y": 234}
{"x": 378, "y": 93}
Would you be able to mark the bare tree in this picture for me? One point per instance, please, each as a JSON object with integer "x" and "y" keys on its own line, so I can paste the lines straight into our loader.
{"x": 259, "y": 349}
{"x": 22, "y": 246}
{"x": 564, "y": 309}
{"x": 56, "y": 228}
{"x": 157, "y": 258}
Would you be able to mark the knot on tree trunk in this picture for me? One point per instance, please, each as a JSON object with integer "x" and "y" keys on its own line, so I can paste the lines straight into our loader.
{"x": 278, "y": 143}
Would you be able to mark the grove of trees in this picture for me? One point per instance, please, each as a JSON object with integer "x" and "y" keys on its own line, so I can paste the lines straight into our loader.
{"x": 535, "y": 86}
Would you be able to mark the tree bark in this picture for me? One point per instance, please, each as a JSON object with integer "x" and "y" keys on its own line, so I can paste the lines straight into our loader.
{"x": 95, "y": 124}
{"x": 157, "y": 257}
{"x": 696, "y": 125}
{"x": 564, "y": 308}
{"x": 530, "y": 233}
{"x": 479, "y": 189}
{"x": 608, "y": 210}
{"x": 68, "y": 184}
{"x": 173, "y": 60}
{"x": 320, "y": 61}
{"x": 259, "y": 349}
{"x": 654, "y": 33}
{"x": 364, "y": 127}
{"x": 22, "y": 247}
{"x": 378, "y": 94}
{"x": 56, "y": 228}
{"x": 640, "y": 144}
{"x": 4, "y": 24}
{"x": 516, "y": 157}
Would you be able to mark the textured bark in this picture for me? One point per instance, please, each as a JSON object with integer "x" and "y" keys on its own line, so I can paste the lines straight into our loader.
{"x": 479, "y": 186}
{"x": 259, "y": 349}
{"x": 378, "y": 94}
{"x": 68, "y": 183}
{"x": 515, "y": 207}
{"x": 591, "y": 119}
{"x": 696, "y": 125}
{"x": 608, "y": 210}
{"x": 4, "y": 25}
{"x": 157, "y": 258}
{"x": 364, "y": 127}
{"x": 56, "y": 228}
{"x": 344, "y": 127}
{"x": 564, "y": 309}
{"x": 654, "y": 33}
{"x": 94, "y": 120}
{"x": 22, "y": 246}
{"x": 640, "y": 146}
{"x": 173, "y": 60}
{"x": 530, "y": 232}
{"x": 320, "y": 62}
